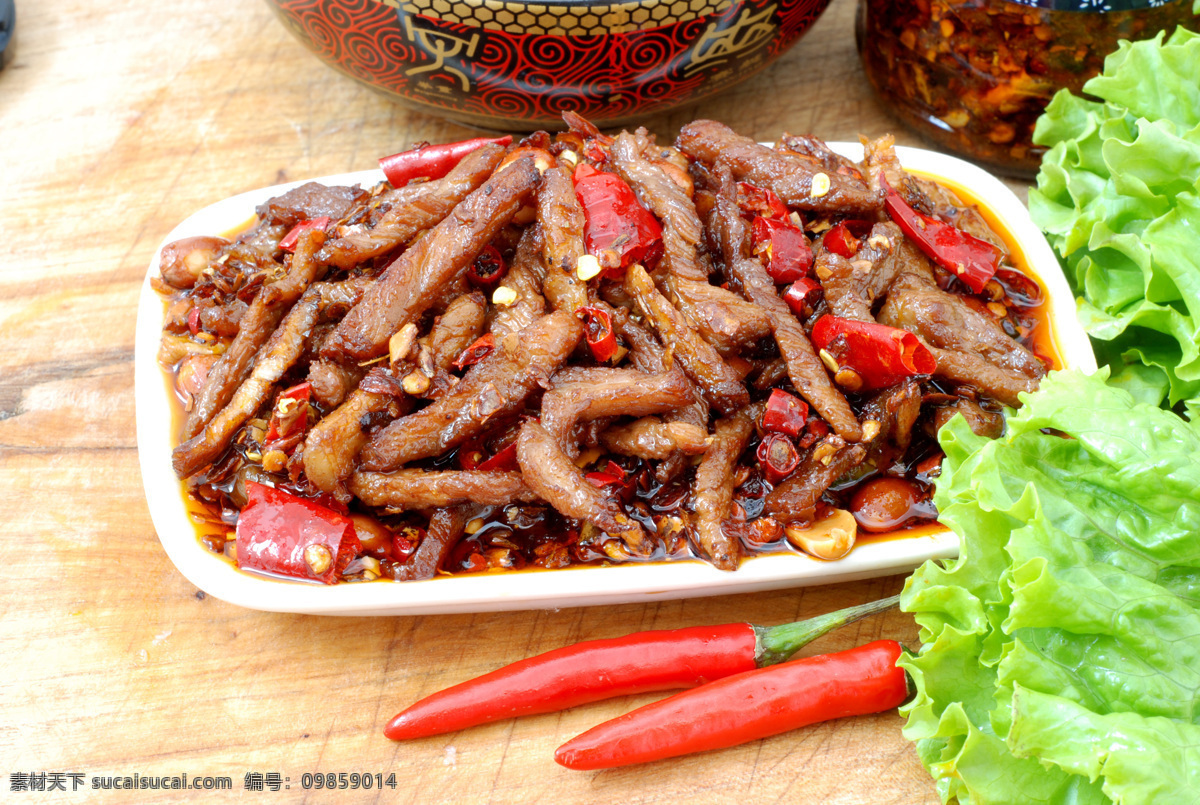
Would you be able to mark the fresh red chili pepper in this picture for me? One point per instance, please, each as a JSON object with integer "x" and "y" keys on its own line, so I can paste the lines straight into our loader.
{"x": 777, "y": 456}
{"x": 788, "y": 254}
{"x": 840, "y": 240}
{"x": 479, "y": 349}
{"x": 758, "y": 201}
{"x": 288, "y": 244}
{"x": 601, "y": 479}
{"x": 431, "y": 161}
{"x": 488, "y": 268}
{"x": 614, "y": 220}
{"x": 971, "y": 259}
{"x": 746, "y": 707}
{"x": 785, "y": 413}
{"x": 803, "y": 296}
{"x": 280, "y": 533}
{"x": 290, "y": 415}
{"x": 881, "y": 356}
{"x": 602, "y": 669}
{"x": 598, "y": 330}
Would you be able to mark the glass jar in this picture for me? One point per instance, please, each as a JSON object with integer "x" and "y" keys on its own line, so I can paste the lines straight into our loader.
{"x": 974, "y": 75}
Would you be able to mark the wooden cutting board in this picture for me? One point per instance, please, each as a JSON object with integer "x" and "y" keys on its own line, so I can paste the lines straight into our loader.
{"x": 118, "y": 121}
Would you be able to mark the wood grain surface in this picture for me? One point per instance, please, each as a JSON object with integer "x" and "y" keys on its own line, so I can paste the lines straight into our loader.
{"x": 117, "y": 120}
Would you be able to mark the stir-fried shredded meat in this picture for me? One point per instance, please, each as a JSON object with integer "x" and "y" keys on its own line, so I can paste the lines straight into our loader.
{"x": 588, "y": 349}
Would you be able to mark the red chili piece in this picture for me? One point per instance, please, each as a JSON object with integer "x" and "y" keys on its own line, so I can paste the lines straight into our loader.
{"x": 614, "y": 220}
{"x": 785, "y": 413}
{"x": 758, "y": 201}
{"x": 504, "y": 459}
{"x": 431, "y": 161}
{"x": 788, "y": 254}
{"x": 280, "y": 533}
{"x": 601, "y": 339}
{"x": 881, "y": 356}
{"x": 840, "y": 240}
{"x": 777, "y": 456}
{"x": 803, "y": 296}
{"x": 602, "y": 669}
{"x": 480, "y": 349}
{"x": 746, "y": 707}
{"x": 488, "y": 268}
{"x": 972, "y": 260}
{"x": 288, "y": 244}
{"x": 290, "y": 415}
{"x": 193, "y": 320}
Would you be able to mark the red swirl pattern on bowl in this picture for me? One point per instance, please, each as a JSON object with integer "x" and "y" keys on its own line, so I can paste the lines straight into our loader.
{"x": 514, "y": 65}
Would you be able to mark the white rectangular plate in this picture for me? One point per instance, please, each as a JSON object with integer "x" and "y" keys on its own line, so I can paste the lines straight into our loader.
{"x": 534, "y": 589}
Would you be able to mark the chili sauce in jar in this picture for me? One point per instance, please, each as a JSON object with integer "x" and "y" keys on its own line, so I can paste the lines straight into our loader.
{"x": 974, "y": 75}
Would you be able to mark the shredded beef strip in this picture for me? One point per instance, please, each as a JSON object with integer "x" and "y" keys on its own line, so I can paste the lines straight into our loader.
{"x": 788, "y": 175}
{"x": 414, "y": 208}
{"x": 852, "y": 285}
{"x": 495, "y": 387}
{"x": 682, "y": 230}
{"x": 945, "y": 321}
{"x": 989, "y": 424}
{"x": 333, "y": 443}
{"x": 795, "y": 500}
{"x": 270, "y": 305}
{"x": 818, "y": 151}
{"x": 411, "y": 284}
{"x": 651, "y": 438}
{"x": 805, "y": 369}
{"x": 277, "y": 356}
{"x": 895, "y": 409}
{"x": 446, "y": 528}
{"x": 332, "y": 383}
{"x": 457, "y": 328}
{"x": 723, "y": 318}
{"x": 717, "y": 382}
{"x": 578, "y": 394}
{"x": 880, "y": 162}
{"x": 712, "y": 495}
{"x": 554, "y": 477}
{"x": 308, "y": 201}
{"x": 417, "y": 489}
{"x": 524, "y": 277}
{"x": 647, "y": 355}
{"x": 967, "y": 369}
{"x": 561, "y": 218}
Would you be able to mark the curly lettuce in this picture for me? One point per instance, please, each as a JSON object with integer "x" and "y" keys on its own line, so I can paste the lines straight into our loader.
{"x": 1118, "y": 195}
{"x": 1061, "y": 656}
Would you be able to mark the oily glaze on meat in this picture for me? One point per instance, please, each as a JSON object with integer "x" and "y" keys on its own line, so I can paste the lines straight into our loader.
{"x": 361, "y": 349}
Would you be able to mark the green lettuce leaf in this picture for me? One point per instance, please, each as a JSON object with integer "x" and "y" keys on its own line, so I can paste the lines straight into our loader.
{"x": 1061, "y": 650}
{"x": 1118, "y": 196}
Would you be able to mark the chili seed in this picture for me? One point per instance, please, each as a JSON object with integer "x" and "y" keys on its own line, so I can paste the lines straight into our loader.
{"x": 318, "y": 558}
{"x": 504, "y": 296}
{"x": 820, "y": 185}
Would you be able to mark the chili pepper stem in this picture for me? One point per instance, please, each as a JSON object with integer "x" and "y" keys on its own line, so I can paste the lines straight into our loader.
{"x": 776, "y": 644}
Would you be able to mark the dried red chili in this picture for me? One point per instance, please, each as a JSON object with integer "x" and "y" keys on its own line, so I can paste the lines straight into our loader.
{"x": 841, "y": 240}
{"x": 290, "y": 415}
{"x": 759, "y": 201}
{"x": 280, "y": 533}
{"x": 777, "y": 456}
{"x": 426, "y": 161}
{"x": 479, "y": 349}
{"x": 785, "y": 413}
{"x": 601, "y": 339}
{"x": 803, "y": 296}
{"x": 788, "y": 256}
{"x": 488, "y": 268}
{"x": 746, "y": 707}
{"x": 971, "y": 259}
{"x": 602, "y": 669}
{"x": 288, "y": 243}
{"x": 878, "y": 355}
{"x": 614, "y": 220}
